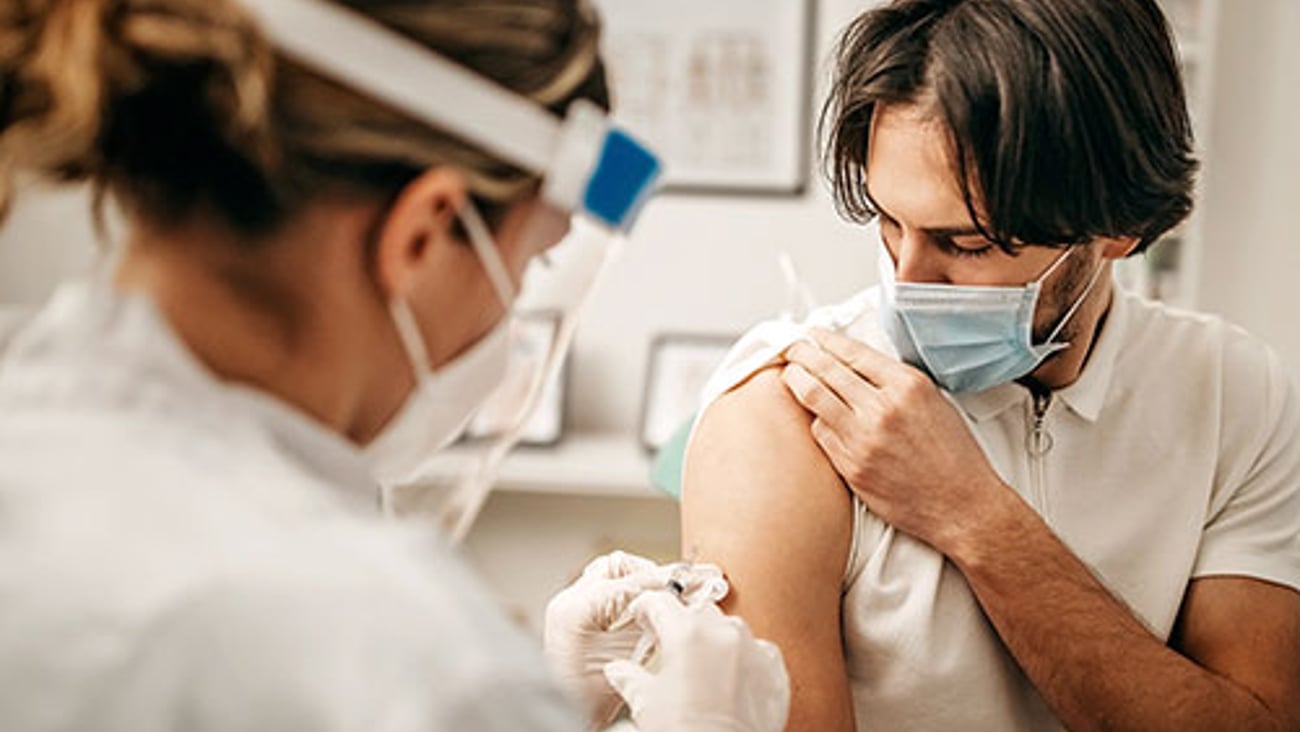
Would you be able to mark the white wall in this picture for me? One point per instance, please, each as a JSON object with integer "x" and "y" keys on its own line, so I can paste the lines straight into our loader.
{"x": 49, "y": 235}
{"x": 1251, "y": 259}
{"x": 709, "y": 264}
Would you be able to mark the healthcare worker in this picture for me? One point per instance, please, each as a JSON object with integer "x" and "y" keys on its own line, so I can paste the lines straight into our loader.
{"x": 329, "y": 210}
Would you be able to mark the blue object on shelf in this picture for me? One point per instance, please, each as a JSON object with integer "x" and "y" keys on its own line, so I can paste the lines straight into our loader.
{"x": 666, "y": 469}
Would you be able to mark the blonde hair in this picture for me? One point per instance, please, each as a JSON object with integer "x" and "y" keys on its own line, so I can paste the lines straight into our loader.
{"x": 176, "y": 107}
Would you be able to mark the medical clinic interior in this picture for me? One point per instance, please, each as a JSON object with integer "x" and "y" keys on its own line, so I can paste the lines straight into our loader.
{"x": 744, "y": 229}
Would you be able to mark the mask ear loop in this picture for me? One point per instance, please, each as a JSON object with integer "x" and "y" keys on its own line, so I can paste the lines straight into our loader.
{"x": 1096, "y": 275}
{"x": 417, "y": 356}
{"x": 1054, "y": 265}
{"x": 480, "y": 237}
{"x": 408, "y": 331}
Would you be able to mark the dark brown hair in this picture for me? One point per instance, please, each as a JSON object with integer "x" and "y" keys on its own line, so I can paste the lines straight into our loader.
{"x": 1068, "y": 119}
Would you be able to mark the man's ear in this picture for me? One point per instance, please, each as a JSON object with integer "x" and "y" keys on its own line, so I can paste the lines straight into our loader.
{"x": 1119, "y": 247}
{"x": 421, "y": 221}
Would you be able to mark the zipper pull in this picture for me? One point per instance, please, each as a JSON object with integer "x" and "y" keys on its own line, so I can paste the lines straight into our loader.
{"x": 1039, "y": 441}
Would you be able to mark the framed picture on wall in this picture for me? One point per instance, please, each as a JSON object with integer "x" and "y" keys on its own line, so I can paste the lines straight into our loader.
{"x": 679, "y": 367}
{"x": 531, "y": 335}
{"x": 719, "y": 88}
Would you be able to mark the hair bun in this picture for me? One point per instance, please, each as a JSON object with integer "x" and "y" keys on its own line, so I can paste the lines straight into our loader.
{"x": 66, "y": 64}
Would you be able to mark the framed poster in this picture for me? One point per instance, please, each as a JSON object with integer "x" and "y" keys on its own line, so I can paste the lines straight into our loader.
{"x": 679, "y": 367}
{"x": 720, "y": 89}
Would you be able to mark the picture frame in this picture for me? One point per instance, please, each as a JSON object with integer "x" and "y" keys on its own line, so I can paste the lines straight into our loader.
{"x": 721, "y": 90}
{"x": 531, "y": 335}
{"x": 678, "y": 367}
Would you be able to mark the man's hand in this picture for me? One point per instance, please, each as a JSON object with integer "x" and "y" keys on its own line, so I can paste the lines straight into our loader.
{"x": 898, "y": 443}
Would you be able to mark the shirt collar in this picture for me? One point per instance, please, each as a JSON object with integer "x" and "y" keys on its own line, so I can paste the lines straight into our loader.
{"x": 325, "y": 455}
{"x": 1087, "y": 395}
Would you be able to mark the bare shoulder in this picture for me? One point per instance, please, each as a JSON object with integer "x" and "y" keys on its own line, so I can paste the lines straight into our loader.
{"x": 753, "y": 472}
{"x": 762, "y": 501}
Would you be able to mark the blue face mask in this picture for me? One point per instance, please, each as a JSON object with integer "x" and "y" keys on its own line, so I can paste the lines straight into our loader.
{"x": 969, "y": 338}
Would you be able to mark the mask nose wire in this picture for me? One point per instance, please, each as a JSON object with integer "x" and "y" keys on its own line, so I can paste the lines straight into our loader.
{"x": 480, "y": 237}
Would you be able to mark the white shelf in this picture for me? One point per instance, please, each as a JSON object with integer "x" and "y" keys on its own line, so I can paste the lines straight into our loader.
{"x": 608, "y": 465}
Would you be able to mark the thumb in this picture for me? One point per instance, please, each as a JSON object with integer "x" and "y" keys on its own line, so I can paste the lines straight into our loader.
{"x": 629, "y": 681}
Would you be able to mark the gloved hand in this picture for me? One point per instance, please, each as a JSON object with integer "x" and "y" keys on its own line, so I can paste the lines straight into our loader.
{"x": 712, "y": 674}
{"x": 587, "y": 625}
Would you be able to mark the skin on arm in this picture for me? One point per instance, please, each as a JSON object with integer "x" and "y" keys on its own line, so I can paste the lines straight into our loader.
{"x": 1261, "y": 656}
{"x": 1231, "y": 663}
{"x": 761, "y": 500}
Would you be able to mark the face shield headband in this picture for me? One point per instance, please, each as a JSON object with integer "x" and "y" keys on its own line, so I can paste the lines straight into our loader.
{"x": 589, "y": 166}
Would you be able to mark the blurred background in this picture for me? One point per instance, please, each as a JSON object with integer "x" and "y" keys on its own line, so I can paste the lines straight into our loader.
{"x": 715, "y": 253}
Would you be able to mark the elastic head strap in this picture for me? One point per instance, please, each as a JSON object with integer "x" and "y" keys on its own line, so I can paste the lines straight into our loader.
{"x": 588, "y": 164}
{"x": 397, "y": 71}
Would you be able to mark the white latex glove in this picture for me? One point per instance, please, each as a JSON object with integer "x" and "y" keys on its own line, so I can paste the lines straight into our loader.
{"x": 712, "y": 675}
{"x": 588, "y": 625}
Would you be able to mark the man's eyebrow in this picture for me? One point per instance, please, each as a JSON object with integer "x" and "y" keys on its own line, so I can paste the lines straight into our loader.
{"x": 953, "y": 232}
{"x": 942, "y": 232}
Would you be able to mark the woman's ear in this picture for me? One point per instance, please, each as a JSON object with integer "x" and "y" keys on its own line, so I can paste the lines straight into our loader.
{"x": 418, "y": 224}
{"x": 1119, "y": 247}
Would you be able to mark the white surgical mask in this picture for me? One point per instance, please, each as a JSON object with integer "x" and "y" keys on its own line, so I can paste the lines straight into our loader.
{"x": 969, "y": 338}
{"x": 442, "y": 402}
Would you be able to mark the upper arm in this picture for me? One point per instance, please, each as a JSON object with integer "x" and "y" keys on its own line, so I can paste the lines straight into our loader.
{"x": 1253, "y": 525}
{"x": 761, "y": 500}
{"x": 1241, "y": 614}
{"x": 1247, "y": 631}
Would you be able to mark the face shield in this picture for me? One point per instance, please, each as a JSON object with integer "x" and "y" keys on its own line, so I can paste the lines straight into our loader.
{"x": 595, "y": 179}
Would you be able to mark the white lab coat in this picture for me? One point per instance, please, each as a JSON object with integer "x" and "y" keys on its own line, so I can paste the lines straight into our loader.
{"x": 177, "y": 553}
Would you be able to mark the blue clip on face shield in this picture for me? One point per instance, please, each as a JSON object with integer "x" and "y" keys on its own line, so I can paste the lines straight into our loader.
{"x": 595, "y": 176}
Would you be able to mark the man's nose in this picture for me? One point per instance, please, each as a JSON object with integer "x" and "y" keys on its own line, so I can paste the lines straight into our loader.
{"x": 916, "y": 260}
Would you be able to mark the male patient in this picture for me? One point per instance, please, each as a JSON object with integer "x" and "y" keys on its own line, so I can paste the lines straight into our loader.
{"x": 997, "y": 492}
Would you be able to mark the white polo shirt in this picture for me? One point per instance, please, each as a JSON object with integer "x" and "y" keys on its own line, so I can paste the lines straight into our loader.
{"x": 1176, "y": 455}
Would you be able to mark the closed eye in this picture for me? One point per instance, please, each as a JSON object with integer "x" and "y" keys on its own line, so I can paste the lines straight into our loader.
{"x": 945, "y": 240}
{"x": 948, "y": 246}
